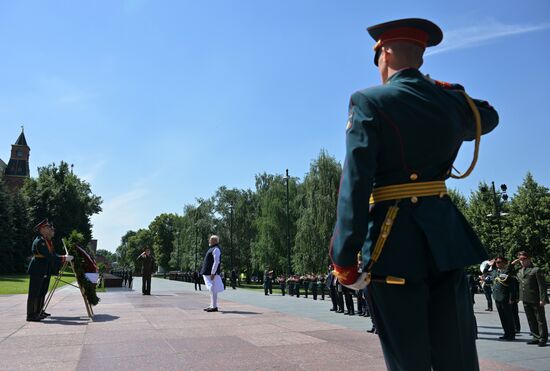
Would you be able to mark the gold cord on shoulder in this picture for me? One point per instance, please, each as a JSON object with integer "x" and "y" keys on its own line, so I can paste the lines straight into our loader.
{"x": 477, "y": 119}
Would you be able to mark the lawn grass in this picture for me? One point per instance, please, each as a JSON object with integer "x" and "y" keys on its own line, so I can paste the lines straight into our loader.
{"x": 19, "y": 283}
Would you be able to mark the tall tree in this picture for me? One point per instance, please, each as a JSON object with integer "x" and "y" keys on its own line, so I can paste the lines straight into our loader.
{"x": 483, "y": 216}
{"x": 270, "y": 249}
{"x": 530, "y": 220}
{"x": 317, "y": 214}
{"x": 163, "y": 230}
{"x": 63, "y": 198}
{"x": 7, "y": 261}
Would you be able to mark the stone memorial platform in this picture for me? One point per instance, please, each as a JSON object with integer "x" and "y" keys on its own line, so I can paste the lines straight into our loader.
{"x": 169, "y": 331}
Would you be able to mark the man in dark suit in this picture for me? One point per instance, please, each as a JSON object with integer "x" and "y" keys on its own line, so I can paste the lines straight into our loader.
{"x": 147, "y": 270}
{"x": 402, "y": 138}
{"x": 44, "y": 263}
{"x": 532, "y": 292}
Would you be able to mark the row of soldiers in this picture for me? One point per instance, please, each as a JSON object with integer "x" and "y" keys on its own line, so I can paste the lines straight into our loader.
{"x": 302, "y": 285}
{"x": 126, "y": 274}
{"x": 320, "y": 285}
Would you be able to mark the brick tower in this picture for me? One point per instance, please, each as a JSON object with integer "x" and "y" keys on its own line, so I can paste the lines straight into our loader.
{"x": 18, "y": 167}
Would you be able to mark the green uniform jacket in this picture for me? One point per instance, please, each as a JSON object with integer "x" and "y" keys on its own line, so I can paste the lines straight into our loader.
{"x": 408, "y": 125}
{"x": 43, "y": 262}
{"x": 505, "y": 286}
{"x": 532, "y": 287}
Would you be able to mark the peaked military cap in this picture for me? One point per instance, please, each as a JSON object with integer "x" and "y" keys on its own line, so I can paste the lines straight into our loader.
{"x": 41, "y": 224}
{"x": 415, "y": 30}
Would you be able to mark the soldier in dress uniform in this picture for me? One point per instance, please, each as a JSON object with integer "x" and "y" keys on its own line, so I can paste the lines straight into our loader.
{"x": 402, "y": 138}
{"x": 504, "y": 293}
{"x": 44, "y": 263}
{"x": 146, "y": 271}
{"x": 532, "y": 292}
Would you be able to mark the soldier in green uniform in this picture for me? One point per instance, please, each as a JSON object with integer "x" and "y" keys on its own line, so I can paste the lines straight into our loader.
{"x": 402, "y": 138}
{"x": 44, "y": 263}
{"x": 504, "y": 293}
{"x": 532, "y": 292}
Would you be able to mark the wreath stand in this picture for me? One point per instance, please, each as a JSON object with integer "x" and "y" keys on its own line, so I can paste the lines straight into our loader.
{"x": 59, "y": 279}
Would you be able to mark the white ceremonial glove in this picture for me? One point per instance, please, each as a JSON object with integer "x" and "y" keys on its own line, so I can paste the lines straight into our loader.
{"x": 361, "y": 283}
{"x": 68, "y": 258}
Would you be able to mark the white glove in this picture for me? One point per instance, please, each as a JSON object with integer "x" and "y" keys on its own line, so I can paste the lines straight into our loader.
{"x": 362, "y": 282}
{"x": 68, "y": 258}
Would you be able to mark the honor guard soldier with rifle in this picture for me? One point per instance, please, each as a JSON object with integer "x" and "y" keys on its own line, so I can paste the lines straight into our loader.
{"x": 402, "y": 138}
{"x": 44, "y": 263}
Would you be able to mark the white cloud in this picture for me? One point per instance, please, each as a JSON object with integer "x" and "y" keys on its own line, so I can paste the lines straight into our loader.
{"x": 480, "y": 34}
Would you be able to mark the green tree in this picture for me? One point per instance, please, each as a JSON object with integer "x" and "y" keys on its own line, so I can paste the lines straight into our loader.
{"x": 109, "y": 256}
{"x": 482, "y": 215}
{"x": 7, "y": 252}
{"x": 270, "y": 248}
{"x": 163, "y": 230}
{"x": 529, "y": 227}
{"x": 63, "y": 198}
{"x": 459, "y": 200}
{"x": 317, "y": 214}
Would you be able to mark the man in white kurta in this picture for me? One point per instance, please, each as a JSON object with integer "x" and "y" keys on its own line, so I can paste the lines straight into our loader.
{"x": 211, "y": 272}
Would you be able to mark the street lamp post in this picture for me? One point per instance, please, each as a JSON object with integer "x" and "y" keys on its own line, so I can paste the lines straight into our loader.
{"x": 289, "y": 269}
{"x": 231, "y": 234}
{"x": 496, "y": 210}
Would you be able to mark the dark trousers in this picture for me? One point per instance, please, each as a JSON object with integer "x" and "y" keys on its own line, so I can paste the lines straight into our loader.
{"x": 333, "y": 297}
{"x": 297, "y": 290}
{"x": 146, "y": 284}
{"x": 198, "y": 282}
{"x": 537, "y": 321}
{"x": 306, "y": 289}
{"x": 314, "y": 291}
{"x": 361, "y": 304}
{"x": 435, "y": 329}
{"x": 282, "y": 289}
{"x": 506, "y": 318}
{"x": 44, "y": 292}
{"x": 515, "y": 316}
{"x": 34, "y": 299}
{"x": 340, "y": 300}
{"x": 234, "y": 284}
{"x": 349, "y": 301}
{"x": 488, "y": 291}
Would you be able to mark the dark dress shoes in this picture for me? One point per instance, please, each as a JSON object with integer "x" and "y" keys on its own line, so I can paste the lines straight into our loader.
{"x": 211, "y": 309}
{"x": 532, "y": 342}
{"x": 33, "y": 319}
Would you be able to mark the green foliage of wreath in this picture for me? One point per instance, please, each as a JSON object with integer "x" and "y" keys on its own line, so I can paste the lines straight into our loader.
{"x": 77, "y": 239}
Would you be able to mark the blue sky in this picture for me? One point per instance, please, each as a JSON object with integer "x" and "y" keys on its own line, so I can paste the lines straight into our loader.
{"x": 159, "y": 102}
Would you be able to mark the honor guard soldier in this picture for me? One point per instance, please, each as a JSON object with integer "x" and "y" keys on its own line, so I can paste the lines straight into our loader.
{"x": 44, "y": 263}
{"x": 532, "y": 292}
{"x": 402, "y": 138}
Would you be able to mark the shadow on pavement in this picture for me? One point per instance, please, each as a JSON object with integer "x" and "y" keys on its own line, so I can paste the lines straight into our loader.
{"x": 237, "y": 312}
{"x": 105, "y": 318}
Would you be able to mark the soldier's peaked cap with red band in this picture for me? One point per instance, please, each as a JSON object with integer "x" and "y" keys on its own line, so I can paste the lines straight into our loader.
{"x": 415, "y": 30}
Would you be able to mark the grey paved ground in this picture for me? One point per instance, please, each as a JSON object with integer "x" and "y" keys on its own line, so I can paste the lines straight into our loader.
{"x": 168, "y": 330}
